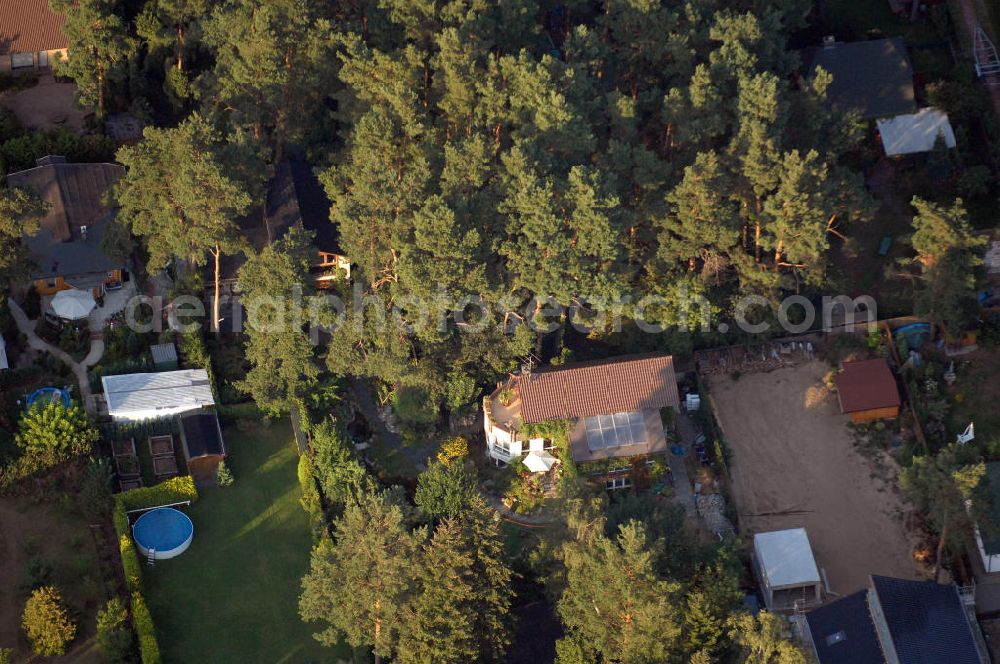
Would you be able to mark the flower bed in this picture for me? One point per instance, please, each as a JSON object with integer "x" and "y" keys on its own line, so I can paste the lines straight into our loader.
{"x": 123, "y": 447}
{"x": 161, "y": 446}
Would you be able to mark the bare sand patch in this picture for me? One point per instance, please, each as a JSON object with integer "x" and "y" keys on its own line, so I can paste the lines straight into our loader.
{"x": 794, "y": 465}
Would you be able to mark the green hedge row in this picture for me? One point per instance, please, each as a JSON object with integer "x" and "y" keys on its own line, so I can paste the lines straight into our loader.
{"x": 175, "y": 490}
{"x": 149, "y": 648}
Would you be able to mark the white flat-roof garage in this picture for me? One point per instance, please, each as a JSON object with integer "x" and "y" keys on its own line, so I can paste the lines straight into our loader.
{"x": 148, "y": 396}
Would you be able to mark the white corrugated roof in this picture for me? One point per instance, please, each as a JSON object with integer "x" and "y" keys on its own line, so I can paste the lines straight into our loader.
{"x": 167, "y": 390}
{"x": 915, "y": 132}
{"x": 786, "y": 557}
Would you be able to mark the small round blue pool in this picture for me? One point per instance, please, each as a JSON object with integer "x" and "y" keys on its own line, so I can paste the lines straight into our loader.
{"x": 165, "y": 532}
{"x": 46, "y": 394}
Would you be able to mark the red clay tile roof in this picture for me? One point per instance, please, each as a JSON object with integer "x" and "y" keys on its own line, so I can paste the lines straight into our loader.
{"x": 866, "y": 385}
{"x": 617, "y": 385}
{"x": 27, "y": 26}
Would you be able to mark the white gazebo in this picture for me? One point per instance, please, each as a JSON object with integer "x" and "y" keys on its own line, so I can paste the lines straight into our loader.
{"x": 539, "y": 462}
{"x": 73, "y": 304}
{"x": 915, "y": 132}
{"x": 783, "y": 560}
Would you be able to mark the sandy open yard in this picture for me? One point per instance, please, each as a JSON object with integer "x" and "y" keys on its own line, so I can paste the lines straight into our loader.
{"x": 794, "y": 464}
{"x": 48, "y": 105}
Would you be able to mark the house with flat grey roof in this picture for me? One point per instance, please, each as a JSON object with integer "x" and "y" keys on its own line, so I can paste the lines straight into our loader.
{"x": 874, "y": 77}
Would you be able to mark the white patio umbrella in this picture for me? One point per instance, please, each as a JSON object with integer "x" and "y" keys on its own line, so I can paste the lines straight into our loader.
{"x": 539, "y": 462}
{"x": 73, "y": 304}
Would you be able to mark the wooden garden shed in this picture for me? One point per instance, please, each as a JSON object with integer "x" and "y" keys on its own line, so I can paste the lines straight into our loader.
{"x": 204, "y": 449}
{"x": 867, "y": 391}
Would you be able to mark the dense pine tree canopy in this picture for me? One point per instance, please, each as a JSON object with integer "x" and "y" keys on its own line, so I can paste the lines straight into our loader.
{"x": 489, "y": 161}
{"x": 508, "y": 153}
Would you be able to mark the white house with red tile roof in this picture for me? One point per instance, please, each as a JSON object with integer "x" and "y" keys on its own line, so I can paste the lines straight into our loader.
{"x": 613, "y": 407}
{"x": 31, "y": 35}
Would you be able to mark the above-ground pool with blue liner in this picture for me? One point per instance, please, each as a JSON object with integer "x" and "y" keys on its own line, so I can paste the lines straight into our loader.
{"x": 165, "y": 531}
{"x": 47, "y": 394}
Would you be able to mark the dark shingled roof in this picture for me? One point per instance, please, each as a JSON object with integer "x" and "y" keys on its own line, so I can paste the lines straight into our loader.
{"x": 866, "y": 385}
{"x": 296, "y": 197}
{"x": 927, "y": 622}
{"x": 843, "y": 632}
{"x": 201, "y": 435}
{"x": 74, "y": 193}
{"x": 27, "y": 26}
{"x": 873, "y": 76}
{"x": 616, "y": 385}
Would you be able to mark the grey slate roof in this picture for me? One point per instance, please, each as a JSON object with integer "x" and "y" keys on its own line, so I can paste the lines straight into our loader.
{"x": 166, "y": 390}
{"x": 163, "y": 353}
{"x": 295, "y": 197}
{"x": 927, "y": 622}
{"x": 873, "y": 76}
{"x": 843, "y": 632}
{"x": 74, "y": 193}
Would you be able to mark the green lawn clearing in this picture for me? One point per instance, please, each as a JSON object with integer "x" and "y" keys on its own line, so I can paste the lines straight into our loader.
{"x": 233, "y": 596}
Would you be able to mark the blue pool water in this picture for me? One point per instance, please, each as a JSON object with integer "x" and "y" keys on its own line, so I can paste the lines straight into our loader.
{"x": 46, "y": 394}
{"x": 165, "y": 530}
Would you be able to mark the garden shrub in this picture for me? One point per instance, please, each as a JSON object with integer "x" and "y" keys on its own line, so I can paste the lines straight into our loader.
{"x": 95, "y": 487}
{"x": 32, "y": 304}
{"x": 37, "y": 573}
{"x": 414, "y": 405}
{"x": 6, "y": 655}
{"x": 22, "y": 151}
{"x": 224, "y": 476}
{"x": 47, "y": 623}
{"x": 10, "y": 126}
{"x": 453, "y": 448}
{"x": 114, "y": 638}
{"x": 445, "y": 490}
{"x": 307, "y": 480}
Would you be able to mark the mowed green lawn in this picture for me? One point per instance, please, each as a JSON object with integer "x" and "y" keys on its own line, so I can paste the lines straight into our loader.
{"x": 233, "y": 595}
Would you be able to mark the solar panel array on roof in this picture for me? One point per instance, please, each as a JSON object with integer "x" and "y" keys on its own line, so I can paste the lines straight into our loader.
{"x": 927, "y": 622}
{"x": 618, "y": 430}
{"x": 843, "y": 632}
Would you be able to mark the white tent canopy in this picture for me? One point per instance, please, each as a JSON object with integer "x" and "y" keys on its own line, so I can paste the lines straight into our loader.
{"x": 915, "y": 132}
{"x": 539, "y": 462}
{"x": 73, "y": 304}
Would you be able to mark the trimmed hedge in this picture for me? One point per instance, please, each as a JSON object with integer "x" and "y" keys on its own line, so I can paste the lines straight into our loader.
{"x": 130, "y": 563}
{"x": 175, "y": 490}
{"x": 149, "y": 647}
